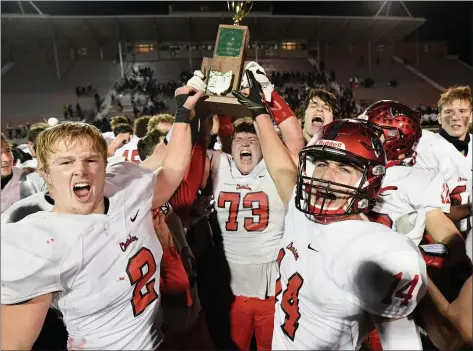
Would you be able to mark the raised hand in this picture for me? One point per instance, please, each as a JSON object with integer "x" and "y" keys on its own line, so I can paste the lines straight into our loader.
{"x": 254, "y": 101}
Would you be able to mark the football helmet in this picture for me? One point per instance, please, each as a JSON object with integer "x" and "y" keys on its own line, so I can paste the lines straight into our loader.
{"x": 401, "y": 127}
{"x": 350, "y": 142}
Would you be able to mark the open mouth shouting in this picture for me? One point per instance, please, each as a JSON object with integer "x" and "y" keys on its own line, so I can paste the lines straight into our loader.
{"x": 82, "y": 191}
{"x": 246, "y": 156}
{"x": 317, "y": 121}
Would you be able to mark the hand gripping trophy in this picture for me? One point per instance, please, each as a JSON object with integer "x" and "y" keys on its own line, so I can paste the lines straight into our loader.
{"x": 223, "y": 72}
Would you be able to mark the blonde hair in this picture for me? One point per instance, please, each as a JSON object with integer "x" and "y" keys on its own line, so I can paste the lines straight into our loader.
{"x": 118, "y": 120}
{"x": 244, "y": 125}
{"x": 454, "y": 93}
{"x": 71, "y": 133}
{"x": 162, "y": 118}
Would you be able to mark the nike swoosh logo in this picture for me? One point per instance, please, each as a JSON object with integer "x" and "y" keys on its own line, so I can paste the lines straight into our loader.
{"x": 261, "y": 175}
{"x": 311, "y": 248}
{"x": 136, "y": 215}
{"x": 260, "y": 72}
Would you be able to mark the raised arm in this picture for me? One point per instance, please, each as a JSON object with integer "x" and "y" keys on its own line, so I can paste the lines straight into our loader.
{"x": 178, "y": 152}
{"x": 280, "y": 164}
{"x": 290, "y": 128}
{"x": 281, "y": 112}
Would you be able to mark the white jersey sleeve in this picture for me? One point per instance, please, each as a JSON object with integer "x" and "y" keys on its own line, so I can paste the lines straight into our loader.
{"x": 29, "y": 255}
{"x": 389, "y": 283}
{"x": 435, "y": 153}
{"x": 434, "y": 194}
{"x": 129, "y": 178}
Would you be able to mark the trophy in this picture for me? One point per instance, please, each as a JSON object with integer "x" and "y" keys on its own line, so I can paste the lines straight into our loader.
{"x": 223, "y": 72}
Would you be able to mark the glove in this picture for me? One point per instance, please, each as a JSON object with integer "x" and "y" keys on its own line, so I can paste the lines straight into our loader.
{"x": 261, "y": 77}
{"x": 434, "y": 254}
{"x": 197, "y": 81}
{"x": 254, "y": 101}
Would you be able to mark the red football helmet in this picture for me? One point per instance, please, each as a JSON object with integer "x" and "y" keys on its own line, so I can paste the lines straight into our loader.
{"x": 351, "y": 142}
{"x": 400, "y": 124}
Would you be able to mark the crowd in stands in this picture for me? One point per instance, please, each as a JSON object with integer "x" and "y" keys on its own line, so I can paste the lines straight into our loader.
{"x": 294, "y": 87}
{"x": 146, "y": 94}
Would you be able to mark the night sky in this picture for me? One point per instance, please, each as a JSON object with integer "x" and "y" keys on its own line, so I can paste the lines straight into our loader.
{"x": 449, "y": 21}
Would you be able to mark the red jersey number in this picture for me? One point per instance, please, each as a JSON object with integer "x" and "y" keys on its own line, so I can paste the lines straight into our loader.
{"x": 135, "y": 271}
{"x": 258, "y": 202}
{"x": 401, "y": 292}
{"x": 289, "y": 300}
{"x": 132, "y": 156}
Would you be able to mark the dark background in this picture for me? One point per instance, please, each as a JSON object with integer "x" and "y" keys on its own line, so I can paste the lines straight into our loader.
{"x": 450, "y": 21}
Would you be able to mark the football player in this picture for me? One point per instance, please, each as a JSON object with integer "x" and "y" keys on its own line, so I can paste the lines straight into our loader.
{"x": 321, "y": 108}
{"x": 250, "y": 216}
{"x": 129, "y": 151}
{"x": 411, "y": 200}
{"x": 339, "y": 274}
{"x": 450, "y": 152}
{"x": 17, "y": 183}
{"x": 103, "y": 274}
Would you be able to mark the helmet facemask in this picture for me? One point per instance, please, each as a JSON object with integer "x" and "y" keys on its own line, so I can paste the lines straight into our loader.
{"x": 327, "y": 201}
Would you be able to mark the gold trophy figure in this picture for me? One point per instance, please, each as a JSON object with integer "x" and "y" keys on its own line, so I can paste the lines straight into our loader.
{"x": 240, "y": 10}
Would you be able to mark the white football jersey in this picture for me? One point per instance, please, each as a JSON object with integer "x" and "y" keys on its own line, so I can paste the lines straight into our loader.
{"x": 102, "y": 268}
{"x": 32, "y": 204}
{"x": 408, "y": 194}
{"x": 249, "y": 209}
{"x": 130, "y": 150}
{"x": 251, "y": 218}
{"x": 108, "y": 136}
{"x": 24, "y": 182}
{"x": 437, "y": 154}
{"x": 333, "y": 276}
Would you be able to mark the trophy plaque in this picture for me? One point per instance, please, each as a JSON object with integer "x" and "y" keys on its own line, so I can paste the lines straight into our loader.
{"x": 223, "y": 72}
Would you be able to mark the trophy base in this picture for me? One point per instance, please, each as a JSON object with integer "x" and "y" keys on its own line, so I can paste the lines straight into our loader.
{"x": 222, "y": 105}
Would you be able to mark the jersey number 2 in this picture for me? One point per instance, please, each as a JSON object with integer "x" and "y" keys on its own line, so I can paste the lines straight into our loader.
{"x": 261, "y": 211}
{"x": 135, "y": 271}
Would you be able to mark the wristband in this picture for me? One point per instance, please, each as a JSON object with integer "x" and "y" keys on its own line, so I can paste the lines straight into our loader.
{"x": 182, "y": 115}
{"x": 280, "y": 110}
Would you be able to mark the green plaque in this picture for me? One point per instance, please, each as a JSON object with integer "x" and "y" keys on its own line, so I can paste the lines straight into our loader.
{"x": 230, "y": 42}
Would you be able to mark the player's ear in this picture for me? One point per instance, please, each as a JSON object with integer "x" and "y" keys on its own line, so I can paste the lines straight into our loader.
{"x": 43, "y": 173}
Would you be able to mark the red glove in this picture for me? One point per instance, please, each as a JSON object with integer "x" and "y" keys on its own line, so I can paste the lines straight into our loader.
{"x": 279, "y": 108}
{"x": 225, "y": 126}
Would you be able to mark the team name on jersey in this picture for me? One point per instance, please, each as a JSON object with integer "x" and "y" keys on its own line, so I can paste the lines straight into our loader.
{"x": 124, "y": 245}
